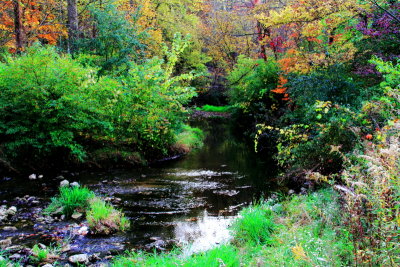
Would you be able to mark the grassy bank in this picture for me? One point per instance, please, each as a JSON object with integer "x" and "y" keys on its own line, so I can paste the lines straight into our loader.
{"x": 303, "y": 230}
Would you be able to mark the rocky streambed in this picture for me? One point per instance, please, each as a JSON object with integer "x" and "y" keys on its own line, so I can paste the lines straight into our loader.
{"x": 189, "y": 202}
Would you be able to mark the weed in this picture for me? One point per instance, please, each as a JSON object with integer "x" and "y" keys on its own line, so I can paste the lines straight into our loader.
{"x": 70, "y": 199}
{"x": 254, "y": 225}
{"x": 103, "y": 218}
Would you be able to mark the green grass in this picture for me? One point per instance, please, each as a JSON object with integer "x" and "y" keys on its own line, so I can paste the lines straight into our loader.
{"x": 225, "y": 255}
{"x": 254, "y": 226}
{"x": 189, "y": 138}
{"x": 4, "y": 262}
{"x": 70, "y": 199}
{"x": 103, "y": 218}
{"x": 211, "y": 108}
{"x": 305, "y": 230}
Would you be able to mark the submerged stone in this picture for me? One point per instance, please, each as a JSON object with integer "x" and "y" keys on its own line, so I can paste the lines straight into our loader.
{"x": 79, "y": 258}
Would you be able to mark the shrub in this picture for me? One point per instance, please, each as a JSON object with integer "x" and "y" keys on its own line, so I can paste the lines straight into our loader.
{"x": 103, "y": 218}
{"x": 332, "y": 84}
{"x": 251, "y": 82}
{"x": 70, "y": 200}
{"x": 50, "y": 105}
{"x": 254, "y": 225}
{"x": 46, "y": 102}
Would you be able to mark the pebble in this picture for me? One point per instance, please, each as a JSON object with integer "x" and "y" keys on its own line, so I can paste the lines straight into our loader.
{"x": 32, "y": 176}
{"x": 10, "y": 228}
{"x": 5, "y": 243}
{"x": 79, "y": 258}
{"x": 47, "y": 265}
{"x": 76, "y": 215}
{"x": 11, "y": 211}
{"x": 75, "y": 184}
{"x": 64, "y": 183}
{"x": 15, "y": 256}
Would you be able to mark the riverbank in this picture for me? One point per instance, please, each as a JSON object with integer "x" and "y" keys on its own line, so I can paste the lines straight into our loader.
{"x": 302, "y": 230}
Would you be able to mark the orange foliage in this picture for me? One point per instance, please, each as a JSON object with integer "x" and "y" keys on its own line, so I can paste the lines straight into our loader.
{"x": 40, "y": 22}
{"x": 281, "y": 89}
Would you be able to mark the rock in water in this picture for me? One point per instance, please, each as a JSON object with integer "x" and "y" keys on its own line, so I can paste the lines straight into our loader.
{"x": 64, "y": 183}
{"x": 10, "y": 228}
{"x": 5, "y": 243}
{"x": 76, "y": 215}
{"x": 11, "y": 211}
{"x": 79, "y": 258}
{"x": 75, "y": 184}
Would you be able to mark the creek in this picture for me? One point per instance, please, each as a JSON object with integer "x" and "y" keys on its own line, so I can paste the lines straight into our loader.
{"x": 190, "y": 201}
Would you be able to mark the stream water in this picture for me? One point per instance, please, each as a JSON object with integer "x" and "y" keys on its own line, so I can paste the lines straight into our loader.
{"x": 190, "y": 201}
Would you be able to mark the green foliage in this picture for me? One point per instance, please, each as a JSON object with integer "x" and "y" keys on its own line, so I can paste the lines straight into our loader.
{"x": 251, "y": 82}
{"x": 52, "y": 105}
{"x": 211, "y": 108}
{"x": 40, "y": 254}
{"x": 103, "y": 218}
{"x": 46, "y": 102}
{"x": 332, "y": 84}
{"x": 117, "y": 41}
{"x": 254, "y": 225}
{"x": 70, "y": 200}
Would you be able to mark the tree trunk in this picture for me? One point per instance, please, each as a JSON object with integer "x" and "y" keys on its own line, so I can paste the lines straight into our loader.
{"x": 18, "y": 27}
{"x": 73, "y": 29}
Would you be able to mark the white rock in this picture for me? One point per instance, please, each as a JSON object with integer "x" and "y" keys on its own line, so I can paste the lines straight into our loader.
{"x": 11, "y": 211}
{"x": 83, "y": 230}
{"x": 47, "y": 265}
{"x": 79, "y": 258}
{"x": 32, "y": 176}
{"x": 64, "y": 183}
{"x": 10, "y": 228}
{"x": 41, "y": 177}
{"x": 75, "y": 184}
{"x": 5, "y": 243}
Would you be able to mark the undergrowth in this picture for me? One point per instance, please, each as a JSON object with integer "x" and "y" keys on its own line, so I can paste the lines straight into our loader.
{"x": 305, "y": 230}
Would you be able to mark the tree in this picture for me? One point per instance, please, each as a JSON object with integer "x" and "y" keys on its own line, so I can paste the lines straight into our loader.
{"x": 73, "y": 28}
{"x": 314, "y": 34}
{"x": 23, "y": 22}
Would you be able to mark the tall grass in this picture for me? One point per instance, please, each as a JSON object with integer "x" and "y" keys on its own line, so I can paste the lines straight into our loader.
{"x": 373, "y": 201}
{"x": 254, "y": 226}
{"x": 70, "y": 199}
{"x": 189, "y": 138}
{"x": 225, "y": 255}
{"x": 103, "y": 218}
